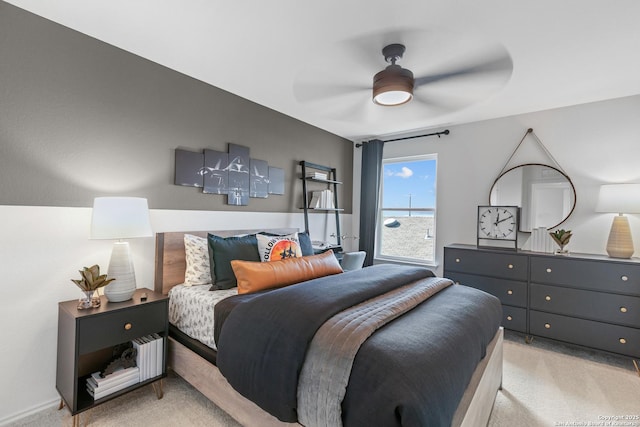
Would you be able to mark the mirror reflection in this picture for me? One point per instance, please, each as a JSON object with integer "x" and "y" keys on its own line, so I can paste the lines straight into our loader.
{"x": 546, "y": 196}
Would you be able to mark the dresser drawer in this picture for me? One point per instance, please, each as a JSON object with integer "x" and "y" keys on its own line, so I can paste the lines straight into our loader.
{"x": 514, "y": 318}
{"x": 588, "y": 274}
{"x": 509, "y": 292}
{"x": 503, "y": 265}
{"x": 118, "y": 326}
{"x": 612, "y": 308}
{"x": 617, "y": 339}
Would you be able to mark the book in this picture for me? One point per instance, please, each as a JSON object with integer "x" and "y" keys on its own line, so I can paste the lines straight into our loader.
{"x": 151, "y": 368}
{"x": 144, "y": 362}
{"x": 150, "y": 356}
{"x": 159, "y": 353}
{"x": 99, "y": 387}
{"x": 137, "y": 344}
{"x": 316, "y": 200}
{"x": 99, "y": 393}
{"x": 117, "y": 376}
{"x": 317, "y": 175}
{"x": 328, "y": 199}
{"x": 93, "y": 384}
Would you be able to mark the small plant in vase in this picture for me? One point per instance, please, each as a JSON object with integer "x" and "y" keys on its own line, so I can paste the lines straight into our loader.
{"x": 89, "y": 282}
{"x": 561, "y": 237}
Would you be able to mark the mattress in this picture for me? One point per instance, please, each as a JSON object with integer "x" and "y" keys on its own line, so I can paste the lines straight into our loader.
{"x": 191, "y": 310}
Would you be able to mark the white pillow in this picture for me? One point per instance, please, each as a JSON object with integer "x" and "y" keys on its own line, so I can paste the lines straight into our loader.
{"x": 198, "y": 264}
{"x": 272, "y": 248}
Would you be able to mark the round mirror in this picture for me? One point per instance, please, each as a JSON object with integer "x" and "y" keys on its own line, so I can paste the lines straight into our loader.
{"x": 545, "y": 195}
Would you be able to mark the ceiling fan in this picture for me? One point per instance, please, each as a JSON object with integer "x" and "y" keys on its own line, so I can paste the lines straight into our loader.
{"x": 393, "y": 85}
{"x": 457, "y": 74}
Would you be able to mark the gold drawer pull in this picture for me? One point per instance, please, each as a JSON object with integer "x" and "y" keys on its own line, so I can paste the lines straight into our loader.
{"x": 509, "y": 318}
{"x": 548, "y": 298}
{"x": 548, "y": 270}
{"x": 623, "y": 341}
{"x": 547, "y": 325}
{"x": 127, "y": 326}
{"x": 509, "y": 292}
{"x": 457, "y": 259}
{"x": 623, "y": 309}
{"x": 510, "y": 266}
{"x": 624, "y": 278}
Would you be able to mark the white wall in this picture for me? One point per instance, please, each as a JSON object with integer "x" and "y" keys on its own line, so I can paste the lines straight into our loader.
{"x": 594, "y": 143}
{"x": 42, "y": 248}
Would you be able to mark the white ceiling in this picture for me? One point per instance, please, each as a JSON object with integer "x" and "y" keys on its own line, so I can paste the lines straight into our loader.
{"x": 563, "y": 52}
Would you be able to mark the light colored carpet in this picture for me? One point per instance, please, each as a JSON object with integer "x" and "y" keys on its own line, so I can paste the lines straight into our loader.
{"x": 544, "y": 384}
{"x": 552, "y": 384}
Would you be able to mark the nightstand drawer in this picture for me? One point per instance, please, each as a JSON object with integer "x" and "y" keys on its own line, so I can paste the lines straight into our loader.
{"x": 514, "y": 318}
{"x": 617, "y": 277}
{"x": 509, "y": 292}
{"x": 119, "y": 326}
{"x": 618, "y": 339}
{"x": 506, "y": 266}
{"x": 611, "y": 308}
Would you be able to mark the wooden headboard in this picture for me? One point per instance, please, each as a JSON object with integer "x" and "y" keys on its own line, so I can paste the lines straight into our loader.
{"x": 170, "y": 258}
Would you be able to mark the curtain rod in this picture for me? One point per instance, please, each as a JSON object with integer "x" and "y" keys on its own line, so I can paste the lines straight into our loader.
{"x": 438, "y": 134}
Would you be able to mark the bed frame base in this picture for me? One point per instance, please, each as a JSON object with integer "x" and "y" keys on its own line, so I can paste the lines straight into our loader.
{"x": 208, "y": 380}
{"x": 477, "y": 402}
{"x": 474, "y": 408}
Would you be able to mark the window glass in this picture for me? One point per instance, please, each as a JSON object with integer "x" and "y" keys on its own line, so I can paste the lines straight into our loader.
{"x": 407, "y": 212}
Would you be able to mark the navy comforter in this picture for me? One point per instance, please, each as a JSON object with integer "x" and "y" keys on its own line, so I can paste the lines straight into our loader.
{"x": 411, "y": 372}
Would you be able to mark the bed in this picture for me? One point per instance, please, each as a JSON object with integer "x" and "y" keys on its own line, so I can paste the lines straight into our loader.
{"x": 196, "y": 363}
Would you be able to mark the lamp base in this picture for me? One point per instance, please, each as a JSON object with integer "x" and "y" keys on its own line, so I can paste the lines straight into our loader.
{"x": 620, "y": 243}
{"x": 121, "y": 269}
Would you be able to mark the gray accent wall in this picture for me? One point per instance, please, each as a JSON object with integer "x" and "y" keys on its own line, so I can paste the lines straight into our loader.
{"x": 80, "y": 118}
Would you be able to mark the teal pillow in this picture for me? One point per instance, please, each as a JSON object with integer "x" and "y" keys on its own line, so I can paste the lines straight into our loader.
{"x": 305, "y": 243}
{"x": 223, "y": 250}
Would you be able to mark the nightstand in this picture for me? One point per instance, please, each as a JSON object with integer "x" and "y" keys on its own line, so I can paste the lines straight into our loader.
{"x": 86, "y": 339}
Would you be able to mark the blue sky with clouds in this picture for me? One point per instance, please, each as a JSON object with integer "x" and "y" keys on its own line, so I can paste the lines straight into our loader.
{"x": 416, "y": 178}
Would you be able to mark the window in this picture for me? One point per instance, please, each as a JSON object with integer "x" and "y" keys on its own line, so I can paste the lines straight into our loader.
{"x": 407, "y": 211}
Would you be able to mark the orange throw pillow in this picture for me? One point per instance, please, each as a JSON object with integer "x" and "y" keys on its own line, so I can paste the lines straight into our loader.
{"x": 255, "y": 276}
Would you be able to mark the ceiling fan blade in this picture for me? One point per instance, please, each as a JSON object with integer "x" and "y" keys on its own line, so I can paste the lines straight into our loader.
{"x": 495, "y": 65}
{"x": 354, "y": 111}
{"x": 439, "y": 104}
{"x": 310, "y": 92}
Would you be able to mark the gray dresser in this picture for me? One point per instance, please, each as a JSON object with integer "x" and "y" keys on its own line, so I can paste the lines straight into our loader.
{"x": 589, "y": 300}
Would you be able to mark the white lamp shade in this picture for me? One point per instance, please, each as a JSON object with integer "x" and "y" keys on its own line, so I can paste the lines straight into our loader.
{"x": 619, "y": 198}
{"x": 120, "y": 218}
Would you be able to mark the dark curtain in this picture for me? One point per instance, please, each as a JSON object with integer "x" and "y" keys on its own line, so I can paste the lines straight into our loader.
{"x": 370, "y": 187}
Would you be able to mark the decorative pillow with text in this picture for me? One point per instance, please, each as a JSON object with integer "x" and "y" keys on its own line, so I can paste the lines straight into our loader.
{"x": 272, "y": 248}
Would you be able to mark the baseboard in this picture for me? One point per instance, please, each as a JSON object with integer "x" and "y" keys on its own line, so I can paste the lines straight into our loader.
{"x": 34, "y": 409}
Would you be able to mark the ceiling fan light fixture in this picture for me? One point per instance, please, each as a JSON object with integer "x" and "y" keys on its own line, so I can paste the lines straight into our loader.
{"x": 393, "y": 86}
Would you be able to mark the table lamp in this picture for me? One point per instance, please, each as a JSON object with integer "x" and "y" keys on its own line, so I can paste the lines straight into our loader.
{"x": 120, "y": 218}
{"x": 620, "y": 199}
